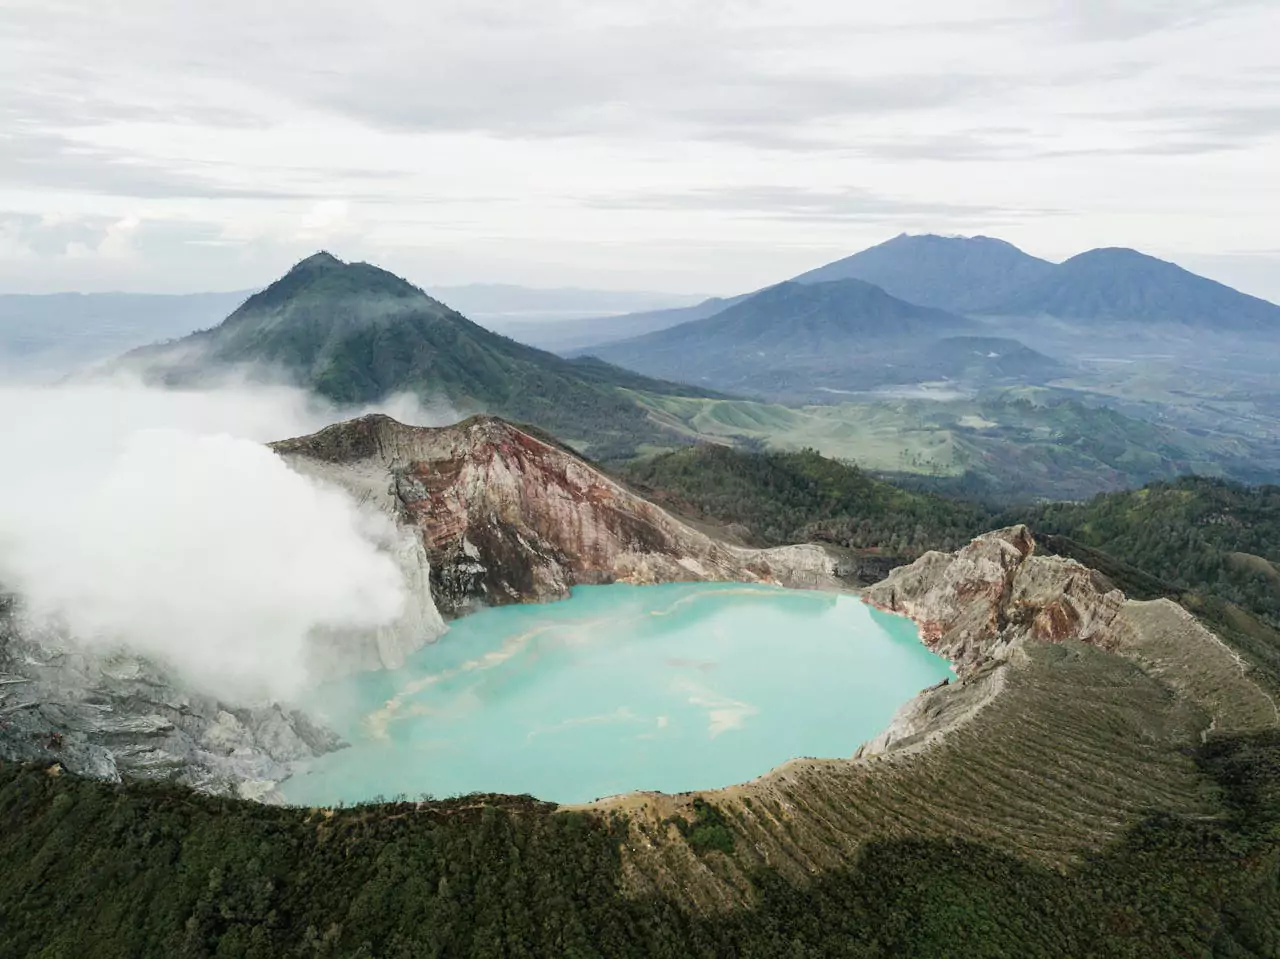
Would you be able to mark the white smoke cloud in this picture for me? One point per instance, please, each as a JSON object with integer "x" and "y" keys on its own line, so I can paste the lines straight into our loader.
{"x": 157, "y": 519}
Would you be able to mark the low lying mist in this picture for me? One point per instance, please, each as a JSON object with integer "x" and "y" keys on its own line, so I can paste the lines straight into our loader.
{"x": 157, "y": 519}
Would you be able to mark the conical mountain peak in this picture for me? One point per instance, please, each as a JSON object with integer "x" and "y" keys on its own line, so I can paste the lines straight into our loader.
{"x": 950, "y": 273}
{"x": 321, "y": 260}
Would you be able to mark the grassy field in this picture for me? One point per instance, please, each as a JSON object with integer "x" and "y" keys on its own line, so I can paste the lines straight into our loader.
{"x": 880, "y": 437}
{"x": 1026, "y": 442}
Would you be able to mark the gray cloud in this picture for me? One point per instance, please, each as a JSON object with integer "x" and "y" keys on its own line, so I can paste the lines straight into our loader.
{"x": 787, "y": 203}
{"x": 517, "y": 137}
{"x": 54, "y": 161}
{"x": 569, "y": 69}
{"x": 1119, "y": 20}
{"x": 59, "y": 162}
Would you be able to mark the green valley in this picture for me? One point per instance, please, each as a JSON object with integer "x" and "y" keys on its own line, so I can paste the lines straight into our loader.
{"x": 1023, "y": 443}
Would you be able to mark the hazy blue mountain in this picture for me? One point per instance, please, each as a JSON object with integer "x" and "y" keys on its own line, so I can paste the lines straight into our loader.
{"x": 954, "y": 273}
{"x": 1117, "y": 285}
{"x": 355, "y": 334}
{"x": 985, "y": 276}
{"x": 57, "y": 332}
{"x": 948, "y": 273}
{"x": 506, "y": 301}
{"x": 798, "y": 340}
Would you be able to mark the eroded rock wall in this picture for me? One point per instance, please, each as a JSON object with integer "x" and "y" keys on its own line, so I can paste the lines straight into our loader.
{"x": 507, "y": 517}
{"x": 977, "y": 604}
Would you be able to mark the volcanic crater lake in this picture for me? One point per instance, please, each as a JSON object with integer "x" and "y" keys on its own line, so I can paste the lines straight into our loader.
{"x": 617, "y": 688}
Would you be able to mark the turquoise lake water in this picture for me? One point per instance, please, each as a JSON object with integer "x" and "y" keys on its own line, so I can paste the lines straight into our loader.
{"x": 674, "y": 687}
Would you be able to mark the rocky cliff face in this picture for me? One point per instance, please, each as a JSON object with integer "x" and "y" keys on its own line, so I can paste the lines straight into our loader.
{"x": 506, "y": 517}
{"x": 975, "y": 605}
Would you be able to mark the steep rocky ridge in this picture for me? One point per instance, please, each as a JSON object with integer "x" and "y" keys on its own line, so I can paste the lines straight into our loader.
{"x": 507, "y": 517}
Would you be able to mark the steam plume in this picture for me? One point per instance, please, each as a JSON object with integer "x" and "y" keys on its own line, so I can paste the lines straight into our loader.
{"x": 158, "y": 520}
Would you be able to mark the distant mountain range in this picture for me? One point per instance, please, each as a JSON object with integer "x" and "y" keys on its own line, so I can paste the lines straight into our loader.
{"x": 54, "y": 333}
{"x": 356, "y": 334}
{"x": 1120, "y": 286}
{"x": 986, "y": 277}
{"x": 949, "y": 273}
{"x": 794, "y": 340}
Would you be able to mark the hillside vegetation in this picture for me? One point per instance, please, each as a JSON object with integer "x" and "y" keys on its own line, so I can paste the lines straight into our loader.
{"x": 1015, "y": 445}
{"x": 99, "y": 870}
{"x": 1193, "y": 533}
{"x": 803, "y": 496}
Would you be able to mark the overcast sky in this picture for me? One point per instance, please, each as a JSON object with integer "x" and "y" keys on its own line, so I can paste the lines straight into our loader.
{"x": 715, "y": 146}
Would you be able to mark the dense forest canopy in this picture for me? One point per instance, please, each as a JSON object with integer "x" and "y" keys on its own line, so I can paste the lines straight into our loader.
{"x": 798, "y": 497}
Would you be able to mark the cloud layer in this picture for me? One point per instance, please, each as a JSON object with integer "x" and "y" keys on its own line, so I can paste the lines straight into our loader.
{"x": 462, "y": 142}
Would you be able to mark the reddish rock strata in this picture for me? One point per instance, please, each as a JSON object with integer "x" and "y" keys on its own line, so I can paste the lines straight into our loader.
{"x": 505, "y": 516}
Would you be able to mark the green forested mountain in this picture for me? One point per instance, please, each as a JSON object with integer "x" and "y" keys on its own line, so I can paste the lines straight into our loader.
{"x": 1193, "y": 533}
{"x": 356, "y": 334}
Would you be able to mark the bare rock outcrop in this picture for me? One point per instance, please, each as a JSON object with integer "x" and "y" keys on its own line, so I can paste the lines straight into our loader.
{"x": 975, "y": 605}
{"x": 981, "y": 605}
{"x": 113, "y": 715}
{"x": 505, "y": 516}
